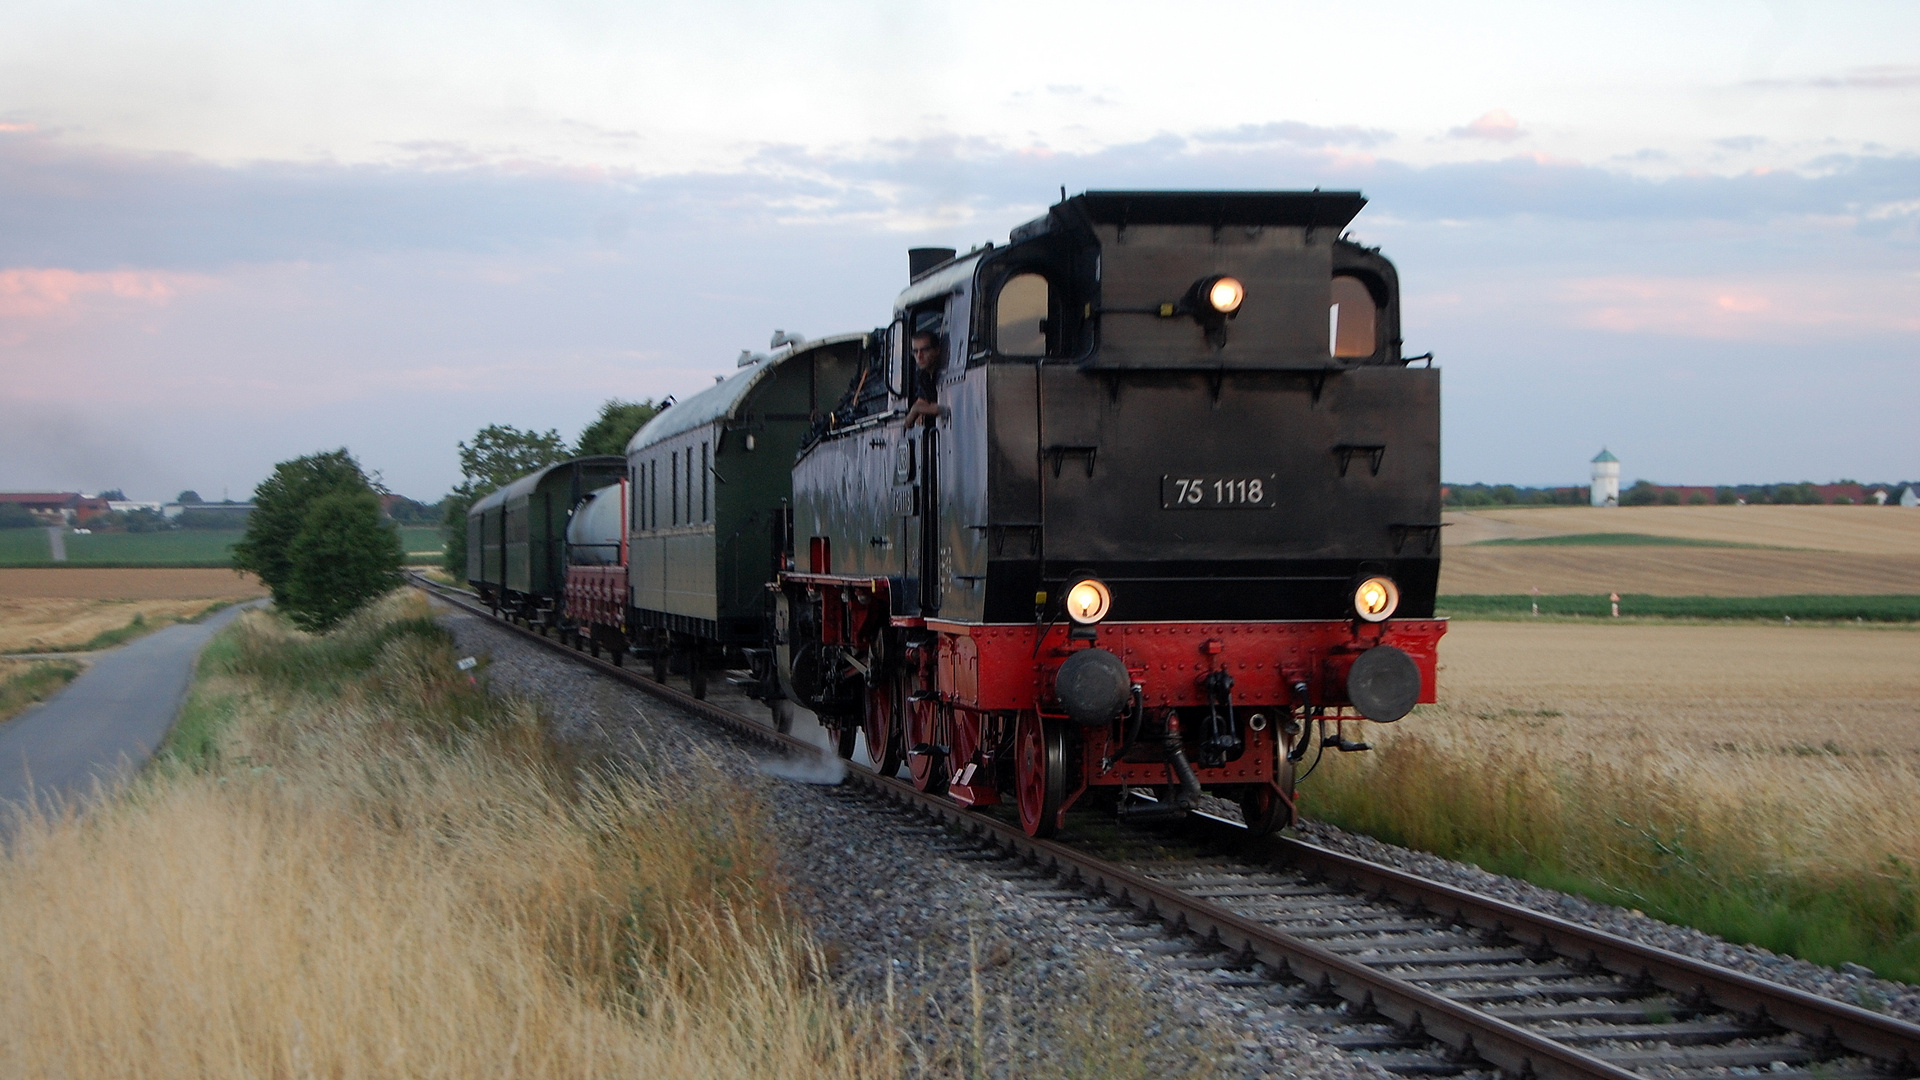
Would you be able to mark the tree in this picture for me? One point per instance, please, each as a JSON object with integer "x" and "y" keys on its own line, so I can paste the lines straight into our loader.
{"x": 189, "y": 497}
{"x": 1642, "y": 493}
{"x": 499, "y": 455}
{"x": 280, "y": 506}
{"x": 344, "y": 555}
{"x": 618, "y": 422}
{"x": 113, "y": 495}
{"x": 15, "y": 517}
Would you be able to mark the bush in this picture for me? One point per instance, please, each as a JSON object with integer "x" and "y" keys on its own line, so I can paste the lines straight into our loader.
{"x": 343, "y": 556}
{"x": 280, "y": 506}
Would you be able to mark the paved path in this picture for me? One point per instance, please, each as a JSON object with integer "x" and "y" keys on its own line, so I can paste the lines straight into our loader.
{"x": 107, "y": 721}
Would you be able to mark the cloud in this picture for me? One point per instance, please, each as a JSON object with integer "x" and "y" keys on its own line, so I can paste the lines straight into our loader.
{"x": 40, "y": 293}
{"x": 1297, "y": 134}
{"x": 1871, "y": 77}
{"x": 1497, "y": 125}
{"x": 1745, "y": 308}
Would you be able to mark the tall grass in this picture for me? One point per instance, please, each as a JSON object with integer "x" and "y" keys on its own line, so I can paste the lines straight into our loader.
{"x": 1810, "y": 851}
{"x": 355, "y": 862}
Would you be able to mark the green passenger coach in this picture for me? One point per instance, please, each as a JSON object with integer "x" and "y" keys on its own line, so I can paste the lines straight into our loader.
{"x": 712, "y": 480}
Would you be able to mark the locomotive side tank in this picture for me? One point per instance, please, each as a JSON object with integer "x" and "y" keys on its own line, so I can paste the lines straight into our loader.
{"x": 1179, "y": 508}
{"x": 711, "y": 480}
{"x": 516, "y": 537}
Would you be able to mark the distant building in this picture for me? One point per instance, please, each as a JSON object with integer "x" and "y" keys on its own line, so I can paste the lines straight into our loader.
{"x": 206, "y": 514}
{"x": 56, "y": 507}
{"x": 1606, "y": 479}
{"x": 1909, "y": 497}
{"x": 127, "y": 506}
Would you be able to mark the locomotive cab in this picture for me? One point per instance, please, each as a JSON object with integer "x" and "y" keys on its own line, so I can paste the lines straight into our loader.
{"x": 1175, "y": 508}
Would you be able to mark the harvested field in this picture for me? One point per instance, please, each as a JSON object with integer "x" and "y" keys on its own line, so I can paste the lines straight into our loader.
{"x": 1674, "y": 571}
{"x": 1859, "y": 530}
{"x": 98, "y": 583}
{"x": 62, "y": 625}
{"x": 1843, "y": 550}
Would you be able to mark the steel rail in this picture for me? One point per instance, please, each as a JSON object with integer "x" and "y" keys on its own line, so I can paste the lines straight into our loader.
{"x": 1473, "y": 1035}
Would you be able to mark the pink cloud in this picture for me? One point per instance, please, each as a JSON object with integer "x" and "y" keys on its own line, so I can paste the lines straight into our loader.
{"x": 1737, "y": 309}
{"x": 1498, "y": 125}
{"x": 7, "y": 127}
{"x": 53, "y": 292}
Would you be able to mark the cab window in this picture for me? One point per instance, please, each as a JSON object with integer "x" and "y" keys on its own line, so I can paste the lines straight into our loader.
{"x": 1351, "y": 318}
{"x": 1020, "y": 326}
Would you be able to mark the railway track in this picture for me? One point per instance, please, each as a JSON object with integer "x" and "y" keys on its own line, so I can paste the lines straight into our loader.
{"x": 1422, "y": 979}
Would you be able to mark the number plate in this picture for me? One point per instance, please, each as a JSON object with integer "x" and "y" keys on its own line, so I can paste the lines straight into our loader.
{"x": 1218, "y": 492}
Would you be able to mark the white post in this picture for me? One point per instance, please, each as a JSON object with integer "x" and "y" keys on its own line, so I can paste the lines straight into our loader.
{"x": 1614, "y": 598}
{"x": 57, "y": 542}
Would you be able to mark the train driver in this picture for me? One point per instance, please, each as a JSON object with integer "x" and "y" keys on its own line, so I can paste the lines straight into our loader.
{"x": 927, "y": 355}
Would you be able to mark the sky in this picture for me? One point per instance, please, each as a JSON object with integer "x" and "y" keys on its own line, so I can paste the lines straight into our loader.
{"x": 234, "y": 233}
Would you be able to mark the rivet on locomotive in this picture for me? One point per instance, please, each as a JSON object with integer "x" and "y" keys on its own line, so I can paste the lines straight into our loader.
{"x": 1140, "y": 508}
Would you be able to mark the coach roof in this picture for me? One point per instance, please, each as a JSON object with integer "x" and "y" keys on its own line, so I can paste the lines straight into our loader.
{"x": 723, "y": 400}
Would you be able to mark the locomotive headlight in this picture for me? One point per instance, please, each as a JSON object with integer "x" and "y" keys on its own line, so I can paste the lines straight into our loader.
{"x": 1088, "y": 601}
{"x": 1376, "y": 598}
{"x": 1225, "y": 294}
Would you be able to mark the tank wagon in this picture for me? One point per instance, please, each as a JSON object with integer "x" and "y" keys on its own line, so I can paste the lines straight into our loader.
{"x": 516, "y": 538}
{"x": 712, "y": 479}
{"x": 595, "y": 611}
{"x": 1175, "y": 522}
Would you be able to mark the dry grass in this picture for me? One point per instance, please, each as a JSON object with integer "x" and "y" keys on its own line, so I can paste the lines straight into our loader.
{"x": 361, "y": 865}
{"x": 60, "y": 625}
{"x": 1762, "y": 782}
{"x": 103, "y": 583}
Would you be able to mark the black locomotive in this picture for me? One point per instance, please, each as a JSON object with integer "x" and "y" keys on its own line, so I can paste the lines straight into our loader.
{"x": 1129, "y": 506}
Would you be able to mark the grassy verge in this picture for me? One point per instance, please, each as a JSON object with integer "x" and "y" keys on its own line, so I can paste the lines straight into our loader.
{"x": 27, "y": 684}
{"x": 1756, "y": 846}
{"x": 352, "y": 860}
{"x": 1897, "y": 608}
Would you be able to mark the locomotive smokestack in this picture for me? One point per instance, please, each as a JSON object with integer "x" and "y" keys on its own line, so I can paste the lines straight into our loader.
{"x": 921, "y": 260}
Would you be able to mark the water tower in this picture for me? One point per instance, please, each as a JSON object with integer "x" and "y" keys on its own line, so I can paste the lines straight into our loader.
{"x": 1606, "y": 479}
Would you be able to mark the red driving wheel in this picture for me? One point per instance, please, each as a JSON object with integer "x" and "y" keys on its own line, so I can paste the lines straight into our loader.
{"x": 1039, "y": 773}
{"x": 926, "y": 747}
{"x": 882, "y": 727}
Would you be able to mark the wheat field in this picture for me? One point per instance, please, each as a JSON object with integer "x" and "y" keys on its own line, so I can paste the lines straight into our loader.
{"x": 1760, "y": 781}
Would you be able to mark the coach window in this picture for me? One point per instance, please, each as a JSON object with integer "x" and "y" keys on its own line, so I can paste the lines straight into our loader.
{"x": 653, "y": 494}
{"x": 633, "y": 502}
{"x": 1351, "y": 318}
{"x": 1020, "y": 324}
{"x": 706, "y": 493}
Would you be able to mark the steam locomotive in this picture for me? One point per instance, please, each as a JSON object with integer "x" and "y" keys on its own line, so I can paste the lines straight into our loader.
{"x": 1139, "y": 507}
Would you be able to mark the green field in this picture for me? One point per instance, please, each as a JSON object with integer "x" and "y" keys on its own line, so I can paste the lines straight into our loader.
{"x": 1613, "y": 539}
{"x": 1897, "y": 608}
{"x": 181, "y": 547}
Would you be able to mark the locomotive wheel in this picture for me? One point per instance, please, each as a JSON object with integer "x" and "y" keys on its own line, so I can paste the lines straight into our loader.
{"x": 1039, "y": 773}
{"x": 845, "y": 739}
{"x": 928, "y": 759}
{"x": 883, "y": 728}
{"x": 1265, "y": 811}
